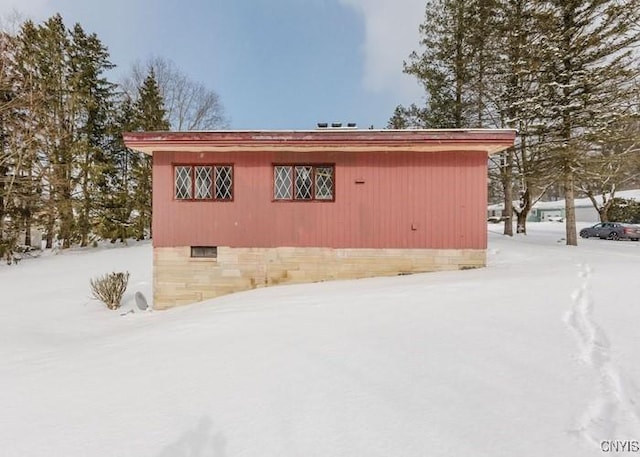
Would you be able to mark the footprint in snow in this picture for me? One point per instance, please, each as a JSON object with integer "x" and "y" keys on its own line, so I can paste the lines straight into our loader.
{"x": 613, "y": 412}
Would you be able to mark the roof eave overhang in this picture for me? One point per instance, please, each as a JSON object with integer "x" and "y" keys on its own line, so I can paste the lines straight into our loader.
{"x": 482, "y": 140}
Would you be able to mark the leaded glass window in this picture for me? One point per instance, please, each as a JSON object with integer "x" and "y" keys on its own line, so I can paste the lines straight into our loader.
{"x": 282, "y": 181}
{"x": 324, "y": 183}
{"x": 303, "y": 182}
{"x": 183, "y": 183}
{"x": 203, "y": 182}
{"x": 224, "y": 182}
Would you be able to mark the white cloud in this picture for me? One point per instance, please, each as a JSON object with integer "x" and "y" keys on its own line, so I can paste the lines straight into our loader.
{"x": 391, "y": 29}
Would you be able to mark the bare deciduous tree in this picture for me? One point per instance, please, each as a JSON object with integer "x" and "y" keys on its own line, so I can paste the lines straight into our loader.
{"x": 190, "y": 105}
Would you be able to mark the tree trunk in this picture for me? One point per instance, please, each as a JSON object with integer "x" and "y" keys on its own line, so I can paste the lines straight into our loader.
{"x": 27, "y": 229}
{"x": 507, "y": 183}
{"x": 570, "y": 209}
{"x": 65, "y": 209}
{"x": 603, "y": 211}
{"x": 603, "y": 214}
{"x": 84, "y": 223}
{"x": 49, "y": 236}
{"x": 521, "y": 226}
{"x": 1, "y": 213}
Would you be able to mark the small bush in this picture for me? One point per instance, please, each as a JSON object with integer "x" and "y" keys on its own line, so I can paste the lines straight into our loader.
{"x": 7, "y": 249}
{"x": 110, "y": 288}
{"x": 624, "y": 210}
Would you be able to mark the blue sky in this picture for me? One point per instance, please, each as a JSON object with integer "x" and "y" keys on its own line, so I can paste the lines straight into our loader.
{"x": 276, "y": 64}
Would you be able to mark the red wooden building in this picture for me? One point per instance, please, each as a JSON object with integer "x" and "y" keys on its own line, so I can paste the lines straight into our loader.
{"x": 234, "y": 210}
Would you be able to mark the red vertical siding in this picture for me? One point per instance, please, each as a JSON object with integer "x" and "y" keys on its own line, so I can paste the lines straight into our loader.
{"x": 441, "y": 194}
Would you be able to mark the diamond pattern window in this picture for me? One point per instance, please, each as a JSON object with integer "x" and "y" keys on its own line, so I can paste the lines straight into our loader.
{"x": 303, "y": 182}
{"x": 204, "y": 182}
{"x": 183, "y": 183}
{"x": 224, "y": 182}
{"x": 324, "y": 183}
{"x": 282, "y": 181}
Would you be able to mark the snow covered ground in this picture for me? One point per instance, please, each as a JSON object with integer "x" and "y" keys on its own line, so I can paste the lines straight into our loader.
{"x": 538, "y": 354}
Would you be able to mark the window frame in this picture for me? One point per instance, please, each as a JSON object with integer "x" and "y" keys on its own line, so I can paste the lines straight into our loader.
{"x": 313, "y": 198}
{"x": 192, "y": 174}
{"x": 195, "y": 250}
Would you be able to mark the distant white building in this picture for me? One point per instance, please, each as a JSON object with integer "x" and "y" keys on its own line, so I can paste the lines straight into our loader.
{"x": 545, "y": 211}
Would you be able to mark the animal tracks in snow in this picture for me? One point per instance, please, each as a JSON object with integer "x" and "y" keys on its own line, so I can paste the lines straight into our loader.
{"x": 612, "y": 413}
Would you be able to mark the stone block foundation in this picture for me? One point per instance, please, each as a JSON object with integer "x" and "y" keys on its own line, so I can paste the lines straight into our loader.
{"x": 180, "y": 279}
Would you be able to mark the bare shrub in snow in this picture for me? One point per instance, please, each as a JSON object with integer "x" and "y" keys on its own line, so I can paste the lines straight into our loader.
{"x": 110, "y": 288}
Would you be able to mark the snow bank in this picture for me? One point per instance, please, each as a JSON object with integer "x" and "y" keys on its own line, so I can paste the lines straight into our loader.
{"x": 538, "y": 354}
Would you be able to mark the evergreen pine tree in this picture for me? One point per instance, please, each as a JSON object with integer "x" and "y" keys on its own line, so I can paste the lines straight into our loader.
{"x": 56, "y": 130}
{"x": 92, "y": 96}
{"x": 454, "y": 64}
{"x": 586, "y": 80}
{"x": 149, "y": 115}
{"x": 115, "y": 196}
{"x": 7, "y": 109}
{"x": 517, "y": 70}
{"x": 50, "y": 45}
{"x": 19, "y": 171}
{"x": 405, "y": 118}
{"x": 34, "y": 126}
{"x": 67, "y": 116}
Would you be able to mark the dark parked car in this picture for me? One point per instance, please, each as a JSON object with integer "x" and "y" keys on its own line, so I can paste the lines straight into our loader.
{"x": 612, "y": 231}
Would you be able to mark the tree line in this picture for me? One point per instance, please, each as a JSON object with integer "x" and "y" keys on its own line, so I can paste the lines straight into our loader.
{"x": 64, "y": 168}
{"x": 563, "y": 73}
